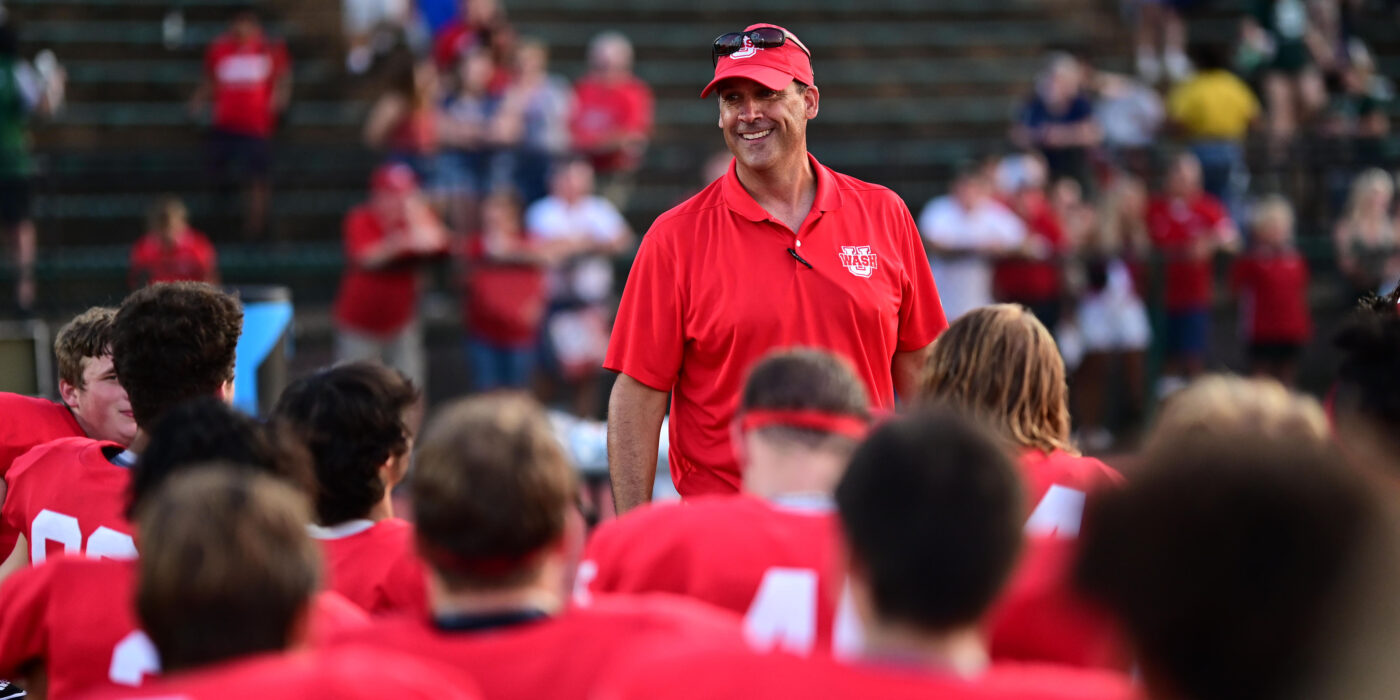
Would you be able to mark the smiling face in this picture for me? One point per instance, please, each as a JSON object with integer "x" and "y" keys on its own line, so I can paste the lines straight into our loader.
{"x": 100, "y": 405}
{"x": 764, "y": 128}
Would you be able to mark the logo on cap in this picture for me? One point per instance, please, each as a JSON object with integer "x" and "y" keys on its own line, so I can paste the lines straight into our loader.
{"x": 748, "y": 50}
{"x": 858, "y": 260}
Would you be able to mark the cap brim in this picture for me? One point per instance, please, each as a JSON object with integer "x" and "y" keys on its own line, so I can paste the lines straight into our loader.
{"x": 771, "y": 78}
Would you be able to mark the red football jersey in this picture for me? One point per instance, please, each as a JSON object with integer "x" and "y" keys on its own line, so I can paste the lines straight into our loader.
{"x": 191, "y": 258}
{"x": 244, "y": 75}
{"x": 28, "y": 423}
{"x": 738, "y": 674}
{"x": 774, "y": 564}
{"x": 561, "y": 657}
{"x": 1040, "y": 617}
{"x": 342, "y": 673}
{"x": 1175, "y": 225}
{"x": 67, "y": 496}
{"x": 375, "y": 566}
{"x": 78, "y": 617}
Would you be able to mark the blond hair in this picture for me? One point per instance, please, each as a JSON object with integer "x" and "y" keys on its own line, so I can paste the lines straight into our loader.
{"x": 1269, "y": 207}
{"x": 1001, "y": 364}
{"x": 1223, "y": 406}
{"x": 1367, "y": 179}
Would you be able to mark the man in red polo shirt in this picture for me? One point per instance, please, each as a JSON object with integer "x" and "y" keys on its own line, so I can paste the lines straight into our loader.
{"x": 779, "y": 252}
{"x": 248, "y": 78}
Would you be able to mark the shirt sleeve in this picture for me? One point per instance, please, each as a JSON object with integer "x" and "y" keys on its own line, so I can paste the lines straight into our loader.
{"x": 359, "y": 235}
{"x": 23, "y": 632}
{"x": 921, "y": 316}
{"x": 610, "y": 224}
{"x": 648, "y": 338}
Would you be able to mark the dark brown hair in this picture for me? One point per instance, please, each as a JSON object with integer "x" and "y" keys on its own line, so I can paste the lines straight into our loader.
{"x": 87, "y": 336}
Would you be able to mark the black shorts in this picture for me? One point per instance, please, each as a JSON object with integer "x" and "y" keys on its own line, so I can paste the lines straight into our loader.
{"x": 1274, "y": 353}
{"x": 15, "y": 194}
{"x": 239, "y": 157}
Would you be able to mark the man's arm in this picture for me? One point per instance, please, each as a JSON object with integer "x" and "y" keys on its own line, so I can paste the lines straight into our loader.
{"x": 635, "y": 412}
{"x": 907, "y": 367}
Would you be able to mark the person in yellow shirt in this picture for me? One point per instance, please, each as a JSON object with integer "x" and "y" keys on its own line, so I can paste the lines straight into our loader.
{"x": 1214, "y": 109}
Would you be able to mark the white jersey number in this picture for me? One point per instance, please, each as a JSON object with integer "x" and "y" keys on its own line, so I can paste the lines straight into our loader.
{"x": 1058, "y": 514}
{"x": 783, "y": 614}
{"x": 134, "y": 658}
{"x": 104, "y": 543}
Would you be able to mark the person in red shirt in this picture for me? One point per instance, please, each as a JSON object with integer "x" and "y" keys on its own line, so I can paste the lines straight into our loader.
{"x": 386, "y": 242}
{"x": 930, "y": 510}
{"x": 248, "y": 80}
{"x": 172, "y": 251}
{"x": 1271, "y": 281}
{"x": 1031, "y": 274}
{"x": 355, "y": 419}
{"x": 770, "y": 553}
{"x": 494, "y": 499}
{"x": 1188, "y": 227}
{"x": 780, "y": 252}
{"x": 171, "y": 342}
{"x": 226, "y": 582}
{"x": 60, "y": 618}
{"x": 613, "y": 115}
{"x": 1243, "y": 560}
{"x": 1001, "y": 364}
{"x": 503, "y": 296}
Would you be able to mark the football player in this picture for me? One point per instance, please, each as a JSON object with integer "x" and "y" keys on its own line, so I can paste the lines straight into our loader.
{"x": 768, "y": 554}
{"x": 355, "y": 420}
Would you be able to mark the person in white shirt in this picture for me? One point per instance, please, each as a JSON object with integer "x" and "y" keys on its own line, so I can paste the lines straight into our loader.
{"x": 964, "y": 232}
{"x": 586, "y": 232}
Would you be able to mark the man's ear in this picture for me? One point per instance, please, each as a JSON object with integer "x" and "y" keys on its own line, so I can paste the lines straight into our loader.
{"x": 812, "y": 100}
{"x": 226, "y": 392}
{"x": 68, "y": 393}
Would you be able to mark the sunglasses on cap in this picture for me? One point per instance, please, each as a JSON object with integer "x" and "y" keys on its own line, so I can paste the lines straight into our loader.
{"x": 761, "y": 38}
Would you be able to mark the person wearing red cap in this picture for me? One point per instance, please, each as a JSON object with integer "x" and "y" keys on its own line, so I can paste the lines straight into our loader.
{"x": 386, "y": 241}
{"x": 770, "y": 553}
{"x": 779, "y": 252}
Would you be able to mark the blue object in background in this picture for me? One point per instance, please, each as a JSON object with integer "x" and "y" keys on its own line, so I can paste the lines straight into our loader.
{"x": 265, "y": 322}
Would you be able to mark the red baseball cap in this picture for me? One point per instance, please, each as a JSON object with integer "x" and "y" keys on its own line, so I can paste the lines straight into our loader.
{"x": 395, "y": 178}
{"x": 772, "y": 68}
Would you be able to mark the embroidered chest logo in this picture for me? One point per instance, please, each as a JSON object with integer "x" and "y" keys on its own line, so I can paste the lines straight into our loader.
{"x": 748, "y": 50}
{"x": 858, "y": 259}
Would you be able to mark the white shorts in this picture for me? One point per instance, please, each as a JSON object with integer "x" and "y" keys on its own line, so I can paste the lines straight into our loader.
{"x": 1114, "y": 323}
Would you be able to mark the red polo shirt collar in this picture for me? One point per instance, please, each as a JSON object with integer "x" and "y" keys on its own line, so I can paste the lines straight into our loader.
{"x": 742, "y": 203}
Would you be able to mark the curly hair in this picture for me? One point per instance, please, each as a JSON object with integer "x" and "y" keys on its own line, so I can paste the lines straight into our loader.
{"x": 172, "y": 342}
{"x": 999, "y": 363}
{"x": 351, "y": 418}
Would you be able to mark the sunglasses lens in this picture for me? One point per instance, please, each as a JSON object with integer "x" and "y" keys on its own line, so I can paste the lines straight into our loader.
{"x": 767, "y": 37}
{"x": 726, "y": 44}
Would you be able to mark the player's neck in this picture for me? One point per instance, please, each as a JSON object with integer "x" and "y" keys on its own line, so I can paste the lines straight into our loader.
{"x": 383, "y": 510}
{"x": 139, "y": 442}
{"x": 960, "y": 651}
{"x": 532, "y": 596}
{"x": 774, "y": 472}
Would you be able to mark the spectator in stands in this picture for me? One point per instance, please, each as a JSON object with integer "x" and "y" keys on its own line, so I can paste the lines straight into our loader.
{"x": 386, "y": 241}
{"x": 503, "y": 296}
{"x": 1180, "y": 553}
{"x": 1111, "y": 319}
{"x": 1030, "y": 275}
{"x": 586, "y": 232}
{"x": 372, "y": 26}
{"x": 24, "y": 91}
{"x": 404, "y": 121}
{"x": 1058, "y": 121}
{"x": 1189, "y": 227}
{"x": 1214, "y": 110}
{"x": 1130, "y": 114}
{"x": 538, "y": 105}
{"x": 172, "y": 251}
{"x": 1271, "y": 282}
{"x": 1000, "y": 365}
{"x": 1366, "y": 241}
{"x": 1160, "y": 38}
{"x": 1357, "y": 120}
{"x": 248, "y": 80}
{"x": 1286, "y": 49}
{"x": 472, "y": 135}
{"x": 612, "y": 117}
{"x": 475, "y": 27}
{"x": 964, "y": 231}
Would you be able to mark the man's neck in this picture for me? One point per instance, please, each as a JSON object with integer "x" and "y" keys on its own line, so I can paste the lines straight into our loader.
{"x": 960, "y": 652}
{"x": 382, "y": 510}
{"x": 528, "y": 597}
{"x": 787, "y": 192}
{"x": 778, "y": 473}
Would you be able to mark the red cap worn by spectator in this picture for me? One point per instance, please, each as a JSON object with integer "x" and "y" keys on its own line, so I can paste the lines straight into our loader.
{"x": 395, "y": 178}
{"x": 772, "y": 68}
